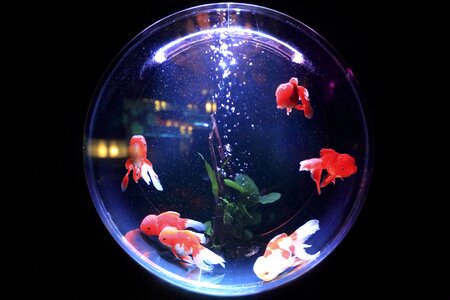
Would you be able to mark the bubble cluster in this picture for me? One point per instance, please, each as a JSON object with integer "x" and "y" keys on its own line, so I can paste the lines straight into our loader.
{"x": 228, "y": 77}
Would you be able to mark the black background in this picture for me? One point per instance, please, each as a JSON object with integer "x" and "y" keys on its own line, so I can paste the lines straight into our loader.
{"x": 77, "y": 257}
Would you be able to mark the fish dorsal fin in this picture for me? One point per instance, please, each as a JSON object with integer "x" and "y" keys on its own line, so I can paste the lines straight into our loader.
{"x": 277, "y": 237}
{"x": 170, "y": 213}
{"x": 326, "y": 151}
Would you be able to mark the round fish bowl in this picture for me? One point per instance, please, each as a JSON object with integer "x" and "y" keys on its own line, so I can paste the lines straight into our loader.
{"x": 227, "y": 149}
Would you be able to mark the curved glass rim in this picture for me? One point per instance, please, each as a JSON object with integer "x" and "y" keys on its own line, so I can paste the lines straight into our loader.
{"x": 247, "y": 289}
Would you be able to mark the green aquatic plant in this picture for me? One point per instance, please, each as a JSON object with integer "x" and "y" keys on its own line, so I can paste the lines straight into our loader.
{"x": 237, "y": 201}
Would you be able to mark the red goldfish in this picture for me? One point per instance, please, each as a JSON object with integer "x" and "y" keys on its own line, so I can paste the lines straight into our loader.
{"x": 288, "y": 95}
{"x": 152, "y": 225}
{"x": 337, "y": 166}
{"x": 185, "y": 245}
{"x": 139, "y": 163}
{"x": 285, "y": 251}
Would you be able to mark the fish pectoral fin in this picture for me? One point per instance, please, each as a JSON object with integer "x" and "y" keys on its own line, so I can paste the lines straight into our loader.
{"x": 298, "y": 262}
{"x": 175, "y": 254}
{"x": 327, "y": 180}
{"x": 124, "y": 183}
{"x": 299, "y": 107}
{"x": 187, "y": 259}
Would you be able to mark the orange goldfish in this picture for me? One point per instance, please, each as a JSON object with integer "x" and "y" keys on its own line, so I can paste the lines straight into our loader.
{"x": 288, "y": 95}
{"x": 185, "y": 245}
{"x": 152, "y": 225}
{"x": 337, "y": 166}
{"x": 285, "y": 251}
{"x": 139, "y": 163}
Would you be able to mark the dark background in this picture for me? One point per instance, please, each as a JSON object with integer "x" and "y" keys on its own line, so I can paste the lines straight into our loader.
{"x": 77, "y": 257}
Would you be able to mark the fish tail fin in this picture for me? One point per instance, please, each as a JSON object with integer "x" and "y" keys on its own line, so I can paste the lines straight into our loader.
{"x": 300, "y": 236}
{"x": 195, "y": 224}
{"x": 305, "y": 231}
{"x": 201, "y": 237}
{"x": 314, "y": 165}
{"x": 205, "y": 259}
{"x": 124, "y": 183}
{"x": 308, "y": 111}
{"x": 304, "y": 97}
{"x": 155, "y": 178}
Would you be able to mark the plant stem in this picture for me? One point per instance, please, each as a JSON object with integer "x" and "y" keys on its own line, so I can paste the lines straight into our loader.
{"x": 213, "y": 157}
{"x": 217, "y": 219}
{"x": 218, "y": 139}
{"x": 215, "y": 130}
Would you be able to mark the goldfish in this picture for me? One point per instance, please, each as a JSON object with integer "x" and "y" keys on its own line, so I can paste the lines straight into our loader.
{"x": 185, "y": 245}
{"x": 288, "y": 95}
{"x": 139, "y": 163}
{"x": 337, "y": 166}
{"x": 285, "y": 251}
{"x": 152, "y": 225}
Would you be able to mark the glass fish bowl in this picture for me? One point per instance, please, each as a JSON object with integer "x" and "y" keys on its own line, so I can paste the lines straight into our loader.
{"x": 227, "y": 149}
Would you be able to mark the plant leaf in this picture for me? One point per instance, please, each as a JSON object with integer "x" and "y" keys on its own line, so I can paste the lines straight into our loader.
{"x": 233, "y": 185}
{"x": 208, "y": 230}
{"x": 224, "y": 200}
{"x": 231, "y": 208}
{"x": 247, "y": 235}
{"x": 244, "y": 211}
{"x": 212, "y": 177}
{"x": 269, "y": 198}
{"x": 247, "y": 184}
{"x": 256, "y": 218}
{"x": 227, "y": 218}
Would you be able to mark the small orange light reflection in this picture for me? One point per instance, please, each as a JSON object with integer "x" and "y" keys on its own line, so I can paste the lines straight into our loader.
{"x": 183, "y": 129}
{"x": 189, "y": 106}
{"x": 163, "y": 105}
{"x": 208, "y": 107}
{"x": 190, "y": 130}
{"x": 102, "y": 149}
{"x": 169, "y": 123}
{"x": 107, "y": 148}
{"x": 157, "y": 105}
{"x": 113, "y": 150}
{"x": 214, "y": 107}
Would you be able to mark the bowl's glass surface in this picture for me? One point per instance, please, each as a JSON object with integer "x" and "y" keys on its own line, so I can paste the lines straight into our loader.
{"x": 226, "y": 59}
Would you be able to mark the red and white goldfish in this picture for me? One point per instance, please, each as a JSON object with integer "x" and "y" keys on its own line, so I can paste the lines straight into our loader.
{"x": 139, "y": 163}
{"x": 337, "y": 166}
{"x": 288, "y": 95}
{"x": 152, "y": 225}
{"x": 185, "y": 245}
{"x": 285, "y": 251}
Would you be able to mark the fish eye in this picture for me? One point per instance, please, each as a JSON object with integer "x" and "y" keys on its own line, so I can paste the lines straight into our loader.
{"x": 266, "y": 273}
{"x": 342, "y": 169}
{"x": 148, "y": 228}
{"x": 164, "y": 239}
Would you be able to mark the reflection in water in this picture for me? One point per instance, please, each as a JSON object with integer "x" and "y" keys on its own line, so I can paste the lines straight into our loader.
{"x": 102, "y": 148}
{"x": 145, "y": 247}
{"x": 158, "y": 119}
